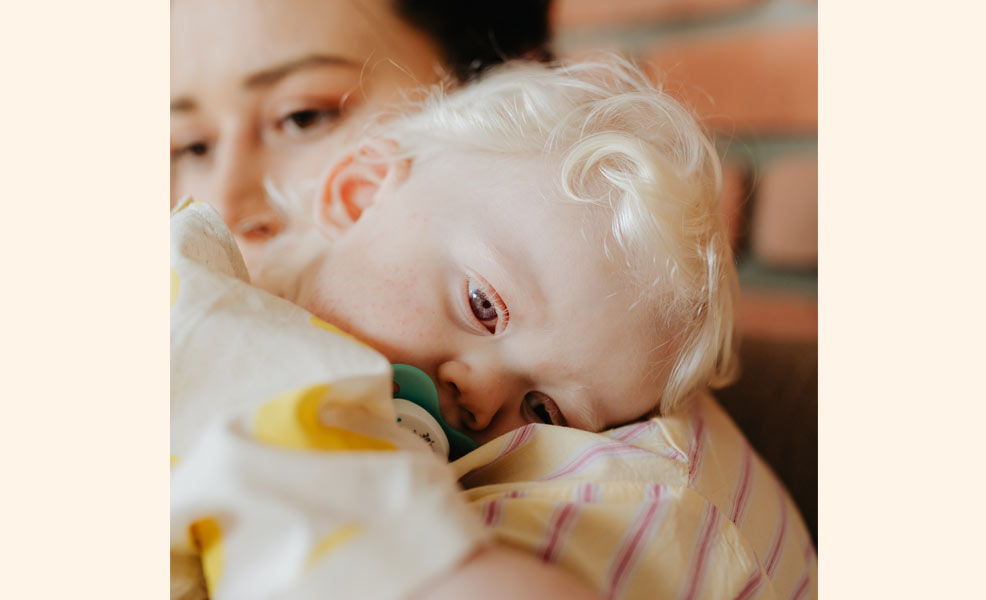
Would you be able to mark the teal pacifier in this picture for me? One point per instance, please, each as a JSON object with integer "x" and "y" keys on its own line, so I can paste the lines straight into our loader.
{"x": 416, "y": 402}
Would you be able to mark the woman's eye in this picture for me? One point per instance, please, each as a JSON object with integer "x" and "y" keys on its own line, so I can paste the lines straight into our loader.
{"x": 195, "y": 149}
{"x": 303, "y": 121}
{"x": 486, "y": 306}
{"x": 544, "y": 409}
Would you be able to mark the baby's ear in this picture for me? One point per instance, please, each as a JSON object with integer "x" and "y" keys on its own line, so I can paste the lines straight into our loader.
{"x": 356, "y": 181}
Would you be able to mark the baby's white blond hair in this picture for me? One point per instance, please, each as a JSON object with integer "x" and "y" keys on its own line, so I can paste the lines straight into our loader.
{"x": 622, "y": 144}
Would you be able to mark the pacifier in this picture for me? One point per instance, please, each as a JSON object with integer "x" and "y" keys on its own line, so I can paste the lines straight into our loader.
{"x": 416, "y": 403}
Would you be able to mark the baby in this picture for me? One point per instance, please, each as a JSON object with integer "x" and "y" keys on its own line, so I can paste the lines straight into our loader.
{"x": 545, "y": 245}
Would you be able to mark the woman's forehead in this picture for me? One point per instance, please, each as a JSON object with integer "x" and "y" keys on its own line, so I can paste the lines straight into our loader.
{"x": 237, "y": 38}
{"x": 281, "y": 19}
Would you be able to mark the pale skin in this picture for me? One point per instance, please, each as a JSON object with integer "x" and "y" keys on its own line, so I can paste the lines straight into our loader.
{"x": 416, "y": 251}
{"x": 273, "y": 90}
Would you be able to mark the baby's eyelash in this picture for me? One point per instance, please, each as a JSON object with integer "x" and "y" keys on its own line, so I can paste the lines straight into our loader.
{"x": 500, "y": 305}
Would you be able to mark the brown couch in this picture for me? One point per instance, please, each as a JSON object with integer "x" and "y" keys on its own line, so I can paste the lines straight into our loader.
{"x": 775, "y": 402}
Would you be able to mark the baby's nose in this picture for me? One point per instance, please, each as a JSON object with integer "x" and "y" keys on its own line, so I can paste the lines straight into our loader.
{"x": 480, "y": 394}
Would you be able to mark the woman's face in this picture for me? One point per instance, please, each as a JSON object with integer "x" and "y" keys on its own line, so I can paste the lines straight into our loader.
{"x": 270, "y": 90}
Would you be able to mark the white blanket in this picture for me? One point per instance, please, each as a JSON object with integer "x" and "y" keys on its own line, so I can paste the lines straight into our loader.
{"x": 290, "y": 477}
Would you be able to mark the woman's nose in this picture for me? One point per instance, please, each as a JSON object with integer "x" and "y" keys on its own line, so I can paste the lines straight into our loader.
{"x": 238, "y": 191}
{"x": 481, "y": 391}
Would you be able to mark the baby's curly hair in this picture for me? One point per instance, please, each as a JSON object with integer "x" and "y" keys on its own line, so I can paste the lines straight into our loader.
{"x": 620, "y": 143}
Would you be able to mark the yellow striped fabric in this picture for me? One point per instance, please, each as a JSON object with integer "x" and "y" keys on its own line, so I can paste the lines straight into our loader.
{"x": 676, "y": 507}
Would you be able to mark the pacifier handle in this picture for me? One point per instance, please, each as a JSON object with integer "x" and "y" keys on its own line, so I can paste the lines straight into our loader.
{"x": 415, "y": 386}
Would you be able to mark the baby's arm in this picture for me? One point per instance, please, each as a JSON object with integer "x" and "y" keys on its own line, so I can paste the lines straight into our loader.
{"x": 495, "y": 572}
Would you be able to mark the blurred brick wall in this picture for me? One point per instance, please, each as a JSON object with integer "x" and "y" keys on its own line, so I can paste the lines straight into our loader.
{"x": 749, "y": 69}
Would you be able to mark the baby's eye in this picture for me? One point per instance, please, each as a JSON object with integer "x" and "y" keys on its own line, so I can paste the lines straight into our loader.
{"x": 304, "y": 121}
{"x": 542, "y": 408}
{"x": 486, "y": 306}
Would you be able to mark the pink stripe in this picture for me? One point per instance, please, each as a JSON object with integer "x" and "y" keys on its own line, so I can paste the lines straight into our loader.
{"x": 803, "y": 584}
{"x": 809, "y": 551}
{"x": 491, "y": 513}
{"x": 752, "y": 585}
{"x": 743, "y": 488}
{"x": 695, "y": 455}
{"x": 515, "y": 439}
{"x": 560, "y": 523}
{"x": 711, "y": 519}
{"x": 596, "y": 451}
{"x": 627, "y": 554}
{"x": 653, "y": 491}
{"x": 674, "y": 454}
{"x": 775, "y": 550}
{"x": 493, "y": 510}
{"x": 633, "y": 432}
{"x": 518, "y": 438}
{"x": 802, "y": 588}
{"x": 587, "y": 492}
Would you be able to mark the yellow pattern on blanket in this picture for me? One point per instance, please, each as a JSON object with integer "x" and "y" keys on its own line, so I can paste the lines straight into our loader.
{"x": 285, "y": 478}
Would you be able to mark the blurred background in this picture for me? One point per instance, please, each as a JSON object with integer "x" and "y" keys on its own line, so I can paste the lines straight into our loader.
{"x": 749, "y": 69}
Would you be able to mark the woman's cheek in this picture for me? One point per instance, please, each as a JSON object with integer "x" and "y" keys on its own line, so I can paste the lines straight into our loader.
{"x": 301, "y": 169}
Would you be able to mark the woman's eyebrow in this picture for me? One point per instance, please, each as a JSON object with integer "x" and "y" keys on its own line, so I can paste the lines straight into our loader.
{"x": 276, "y": 73}
{"x": 183, "y": 105}
{"x": 272, "y": 75}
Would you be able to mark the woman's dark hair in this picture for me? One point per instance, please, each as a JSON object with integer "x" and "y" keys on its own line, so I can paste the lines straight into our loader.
{"x": 476, "y": 34}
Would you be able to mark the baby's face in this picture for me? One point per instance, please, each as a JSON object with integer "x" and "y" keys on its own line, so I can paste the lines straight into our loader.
{"x": 474, "y": 271}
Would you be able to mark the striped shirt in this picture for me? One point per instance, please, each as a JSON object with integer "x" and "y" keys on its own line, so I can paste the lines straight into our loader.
{"x": 677, "y": 507}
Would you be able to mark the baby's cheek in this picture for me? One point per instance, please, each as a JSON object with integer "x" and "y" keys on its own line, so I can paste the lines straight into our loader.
{"x": 393, "y": 289}
{"x": 395, "y": 312}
